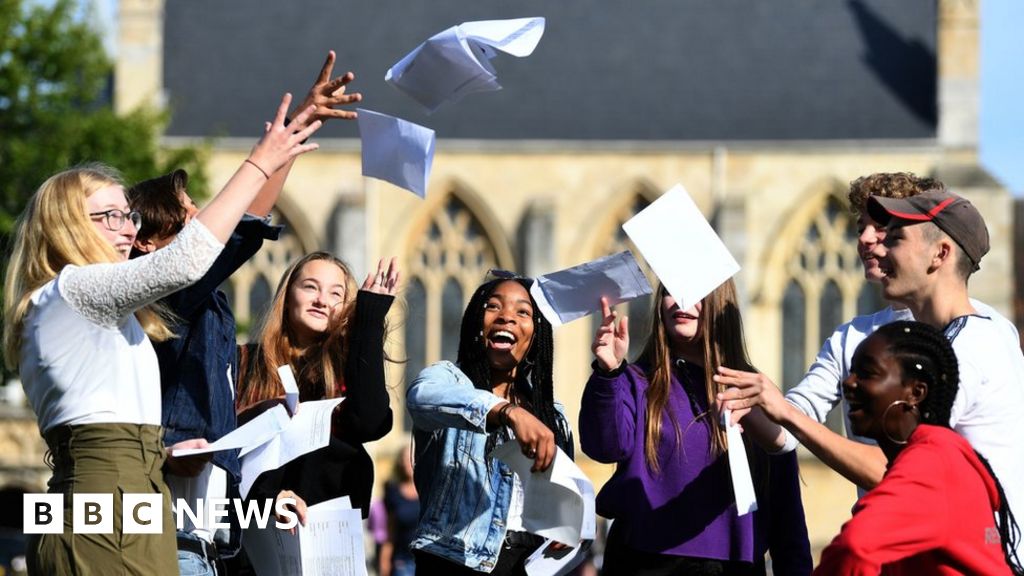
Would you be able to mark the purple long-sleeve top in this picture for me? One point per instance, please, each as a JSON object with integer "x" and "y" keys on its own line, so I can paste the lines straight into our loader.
{"x": 688, "y": 509}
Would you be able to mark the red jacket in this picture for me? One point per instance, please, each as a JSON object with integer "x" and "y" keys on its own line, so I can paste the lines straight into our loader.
{"x": 933, "y": 513}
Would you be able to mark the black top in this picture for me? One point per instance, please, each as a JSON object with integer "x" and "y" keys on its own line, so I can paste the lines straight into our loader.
{"x": 343, "y": 467}
{"x": 604, "y": 70}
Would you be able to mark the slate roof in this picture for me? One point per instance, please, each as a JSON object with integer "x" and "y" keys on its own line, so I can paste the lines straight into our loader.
{"x": 673, "y": 70}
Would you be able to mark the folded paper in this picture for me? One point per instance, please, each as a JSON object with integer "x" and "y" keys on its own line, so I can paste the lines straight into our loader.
{"x": 396, "y": 151}
{"x": 456, "y": 62}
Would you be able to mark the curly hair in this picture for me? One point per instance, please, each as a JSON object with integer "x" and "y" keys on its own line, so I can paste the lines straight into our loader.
{"x": 533, "y": 384}
{"x": 888, "y": 185}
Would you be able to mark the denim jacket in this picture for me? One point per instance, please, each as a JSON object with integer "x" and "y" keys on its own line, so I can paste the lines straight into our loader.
{"x": 198, "y": 367}
{"x": 464, "y": 494}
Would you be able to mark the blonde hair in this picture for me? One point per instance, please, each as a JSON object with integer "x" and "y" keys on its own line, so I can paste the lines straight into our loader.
{"x": 721, "y": 340}
{"x": 54, "y": 231}
{"x": 319, "y": 367}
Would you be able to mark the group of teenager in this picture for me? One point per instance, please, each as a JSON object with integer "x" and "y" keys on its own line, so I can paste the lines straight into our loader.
{"x": 125, "y": 347}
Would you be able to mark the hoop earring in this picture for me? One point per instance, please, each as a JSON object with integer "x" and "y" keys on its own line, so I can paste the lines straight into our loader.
{"x": 885, "y": 418}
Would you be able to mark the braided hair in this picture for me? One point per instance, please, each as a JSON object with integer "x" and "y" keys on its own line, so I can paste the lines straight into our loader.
{"x": 926, "y": 354}
{"x": 533, "y": 387}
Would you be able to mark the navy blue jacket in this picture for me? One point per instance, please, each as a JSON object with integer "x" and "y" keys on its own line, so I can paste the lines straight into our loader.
{"x": 198, "y": 368}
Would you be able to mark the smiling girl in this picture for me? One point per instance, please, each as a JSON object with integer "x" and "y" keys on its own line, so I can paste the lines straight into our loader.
{"x": 499, "y": 391}
{"x": 333, "y": 338}
{"x": 78, "y": 327}
{"x": 939, "y": 509}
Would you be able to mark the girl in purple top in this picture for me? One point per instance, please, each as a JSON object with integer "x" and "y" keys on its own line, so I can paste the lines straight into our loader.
{"x": 671, "y": 497}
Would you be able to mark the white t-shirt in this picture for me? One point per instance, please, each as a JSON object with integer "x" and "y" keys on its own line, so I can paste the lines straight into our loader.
{"x": 84, "y": 357}
{"x": 989, "y": 405}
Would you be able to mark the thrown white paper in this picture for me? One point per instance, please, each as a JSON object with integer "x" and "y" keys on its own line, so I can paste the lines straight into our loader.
{"x": 308, "y": 430}
{"x": 547, "y": 562}
{"x": 681, "y": 247}
{"x": 456, "y": 61}
{"x": 558, "y": 503}
{"x": 291, "y": 387}
{"x": 396, "y": 151}
{"x": 739, "y": 468}
{"x": 250, "y": 435}
{"x": 575, "y": 292}
{"x": 330, "y": 544}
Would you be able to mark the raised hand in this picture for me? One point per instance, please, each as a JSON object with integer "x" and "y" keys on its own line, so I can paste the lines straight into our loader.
{"x": 384, "y": 281}
{"x": 326, "y": 93}
{"x": 281, "y": 143}
{"x": 611, "y": 341}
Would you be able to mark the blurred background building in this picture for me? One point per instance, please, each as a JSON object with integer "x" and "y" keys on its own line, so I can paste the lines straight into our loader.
{"x": 764, "y": 111}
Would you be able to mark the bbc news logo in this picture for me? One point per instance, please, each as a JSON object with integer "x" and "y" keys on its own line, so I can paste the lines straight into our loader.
{"x": 143, "y": 513}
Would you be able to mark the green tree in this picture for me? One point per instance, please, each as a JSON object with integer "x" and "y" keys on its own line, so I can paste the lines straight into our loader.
{"x": 55, "y": 108}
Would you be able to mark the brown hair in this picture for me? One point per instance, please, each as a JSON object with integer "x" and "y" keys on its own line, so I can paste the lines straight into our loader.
{"x": 888, "y": 185}
{"x": 721, "y": 339}
{"x": 318, "y": 368}
{"x": 158, "y": 200}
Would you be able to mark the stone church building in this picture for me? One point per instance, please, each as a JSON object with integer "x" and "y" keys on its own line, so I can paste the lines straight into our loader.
{"x": 763, "y": 111}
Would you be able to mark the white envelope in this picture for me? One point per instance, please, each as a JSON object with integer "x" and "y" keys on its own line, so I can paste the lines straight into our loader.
{"x": 396, "y": 151}
{"x": 681, "y": 247}
{"x": 456, "y": 61}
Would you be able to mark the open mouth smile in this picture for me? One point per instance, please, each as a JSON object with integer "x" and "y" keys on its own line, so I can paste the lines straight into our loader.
{"x": 501, "y": 340}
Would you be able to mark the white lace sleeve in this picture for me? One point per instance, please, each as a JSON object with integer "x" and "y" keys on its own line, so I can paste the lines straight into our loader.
{"x": 107, "y": 293}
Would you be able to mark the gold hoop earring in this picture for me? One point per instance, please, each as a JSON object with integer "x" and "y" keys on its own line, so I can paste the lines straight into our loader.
{"x": 885, "y": 418}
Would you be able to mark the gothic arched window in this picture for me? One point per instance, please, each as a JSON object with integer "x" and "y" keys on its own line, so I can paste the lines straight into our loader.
{"x": 826, "y": 287}
{"x": 445, "y": 265}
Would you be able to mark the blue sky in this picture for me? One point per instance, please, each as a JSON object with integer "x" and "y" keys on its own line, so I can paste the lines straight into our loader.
{"x": 1002, "y": 88}
{"x": 1001, "y": 126}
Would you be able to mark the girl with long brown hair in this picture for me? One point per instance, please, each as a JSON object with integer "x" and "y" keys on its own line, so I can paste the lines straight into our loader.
{"x": 670, "y": 498}
{"x": 333, "y": 338}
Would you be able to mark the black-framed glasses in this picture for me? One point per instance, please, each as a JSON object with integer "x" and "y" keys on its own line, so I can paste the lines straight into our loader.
{"x": 114, "y": 219}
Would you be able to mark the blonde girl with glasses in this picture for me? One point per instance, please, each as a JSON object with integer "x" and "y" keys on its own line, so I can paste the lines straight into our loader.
{"x": 78, "y": 325}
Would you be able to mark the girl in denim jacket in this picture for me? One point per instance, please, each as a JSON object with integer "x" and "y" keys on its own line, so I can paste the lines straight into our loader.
{"x": 500, "y": 390}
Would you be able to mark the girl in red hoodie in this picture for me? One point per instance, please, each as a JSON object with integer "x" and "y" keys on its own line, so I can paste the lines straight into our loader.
{"x": 939, "y": 509}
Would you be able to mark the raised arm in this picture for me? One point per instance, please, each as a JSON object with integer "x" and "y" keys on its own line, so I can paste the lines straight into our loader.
{"x": 366, "y": 413}
{"x": 608, "y": 413}
{"x": 325, "y": 94}
{"x": 278, "y": 145}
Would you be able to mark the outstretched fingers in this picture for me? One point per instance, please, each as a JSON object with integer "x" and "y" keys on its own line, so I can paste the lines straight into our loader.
{"x": 282, "y": 109}
{"x": 328, "y": 67}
